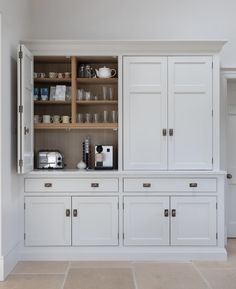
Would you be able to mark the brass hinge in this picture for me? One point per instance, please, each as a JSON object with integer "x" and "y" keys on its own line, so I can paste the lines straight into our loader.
{"x": 20, "y": 54}
{"x": 20, "y": 108}
{"x": 20, "y": 163}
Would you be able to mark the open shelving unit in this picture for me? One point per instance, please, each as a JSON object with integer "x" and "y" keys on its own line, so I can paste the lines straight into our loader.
{"x": 66, "y": 137}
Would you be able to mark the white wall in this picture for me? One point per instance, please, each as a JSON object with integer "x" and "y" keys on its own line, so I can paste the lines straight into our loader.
{"x": 15, "y": 26}
{"x": 137, "y": 19}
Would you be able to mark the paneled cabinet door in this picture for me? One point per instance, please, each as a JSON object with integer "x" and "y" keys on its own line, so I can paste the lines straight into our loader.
{"x": 47, "y": 221}
{"x": 95, "y": 221}
{"x": 145, "y": 113}
{"x": 190, "y": 112}
{"x": 193, "y": 221}
{"x": 146, "y": 221}
{"x": 25, "y": 156}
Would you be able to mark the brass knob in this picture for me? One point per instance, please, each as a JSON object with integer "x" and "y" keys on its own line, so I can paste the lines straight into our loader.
{"x": 229, "y": 176}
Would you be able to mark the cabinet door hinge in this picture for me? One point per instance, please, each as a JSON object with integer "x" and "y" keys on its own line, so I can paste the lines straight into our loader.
{"x": 20, "y": 108}
{"x": 212, "y": 65}
{"x": 216, "y": 206}
{"x": 118, "y": 206}
{"x": 21, "y": 163}
{"x": 212, "y": 160}
{"x": 24, "y": 236}
{"x": 24, "y": 206}
{"x": 118, "y": 235}
{"x": 212, "y": 112}
{"x": 20, "y": 54}
{"x": 216, "y": 236}
{"x": 123, "y": 236}
{"x": 123, "y": 206}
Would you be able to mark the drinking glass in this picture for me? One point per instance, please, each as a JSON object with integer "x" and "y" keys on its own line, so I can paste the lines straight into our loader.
{"x": 96, "y": 117}
{"x": 88, "y": 117}
{"x": 114, "y": 116}
{"x": 105, "y": 116}
{"x": 80, "y": 118}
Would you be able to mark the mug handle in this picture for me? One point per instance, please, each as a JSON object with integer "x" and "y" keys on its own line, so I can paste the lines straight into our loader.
{"x": 60, "y": 119}
{"x": 70, "y": 119}
{"x": 112, "y": 75}
{"x": 51, "y": 119}
{"x": 40, "y": 119}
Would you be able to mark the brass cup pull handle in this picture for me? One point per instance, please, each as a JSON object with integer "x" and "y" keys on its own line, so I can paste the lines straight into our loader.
{"x": 75, "y": 213}
{"x": 95, "y": 185}
{"x": 173, "y": 213}
{"x": 171, "y": 132}
{"x": 67, "y": 212}
{"x": 164, "y": 132}
{"x": 48, "y": 185}
{"x": 147, "y": 185}
{"x": 193, "y": 185}
{"x": 166, "y": 213}
{"x": 229, "y": 176}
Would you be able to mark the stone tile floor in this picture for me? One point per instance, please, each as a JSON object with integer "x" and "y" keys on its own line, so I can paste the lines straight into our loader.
{"x": 125, "y": 275}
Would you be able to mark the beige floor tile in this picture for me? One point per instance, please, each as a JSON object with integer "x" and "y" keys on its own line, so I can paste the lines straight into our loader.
{"x": 220, "y": 278}
{"x": 168, "y": 276}
{"x": 99, "y": 278}
{"x": 33, "y": 282}
{"x": 40, "y": 267}
{"x": 100, "y": 264}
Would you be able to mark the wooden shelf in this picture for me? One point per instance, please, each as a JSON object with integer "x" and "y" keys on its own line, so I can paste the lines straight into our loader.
{"x": 69, "y": 126}
{"x": 91, "y": 102}
{"x": 53, "y": 102}
{"x": 54, "y": 80}
{"x": 97, "y": 80}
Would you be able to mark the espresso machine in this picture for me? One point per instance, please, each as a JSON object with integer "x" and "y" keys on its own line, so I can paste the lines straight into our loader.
{"x": 103, "y": 157}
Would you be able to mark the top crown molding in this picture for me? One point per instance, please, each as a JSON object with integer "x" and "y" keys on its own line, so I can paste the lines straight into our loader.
{"x": 115, "y": 47}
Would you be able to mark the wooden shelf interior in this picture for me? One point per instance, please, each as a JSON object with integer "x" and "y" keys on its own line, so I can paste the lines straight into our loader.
{"x": 68, "y": 138}
{"x": 70, "y": 143}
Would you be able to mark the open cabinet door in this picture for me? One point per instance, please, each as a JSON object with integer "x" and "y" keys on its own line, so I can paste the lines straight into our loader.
{"x": 25, "y": 111}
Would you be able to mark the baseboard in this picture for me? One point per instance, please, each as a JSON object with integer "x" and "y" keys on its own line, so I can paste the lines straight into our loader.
{"x": 8, "y": 262}
{"x": 124, "y": 254}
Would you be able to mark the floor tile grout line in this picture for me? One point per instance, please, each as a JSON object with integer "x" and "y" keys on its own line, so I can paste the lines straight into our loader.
{"x": 66, "y": 275}
{"x": 40, "y": 274}
{"x": 201, "y": 275}
{"x": 134, "y": 277}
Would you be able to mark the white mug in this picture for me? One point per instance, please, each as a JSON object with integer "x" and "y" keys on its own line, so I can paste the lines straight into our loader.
{"x": 65, "y": 119}
{"x": 47, "y": 118}
{"x": 53, "y": 74}
{"x": 56, "y": 119}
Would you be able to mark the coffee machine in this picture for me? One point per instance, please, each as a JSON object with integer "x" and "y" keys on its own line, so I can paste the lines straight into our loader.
{"x": 103, "y": 157}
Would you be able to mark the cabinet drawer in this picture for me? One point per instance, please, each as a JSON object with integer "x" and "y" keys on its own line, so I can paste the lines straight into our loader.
{"x": 170, "y": 185}
{"x": 71, "y": 185}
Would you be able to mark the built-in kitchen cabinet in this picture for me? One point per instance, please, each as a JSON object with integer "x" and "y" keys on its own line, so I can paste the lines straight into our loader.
{"x": 95, "y": 221}
{"x": 158, "y": 220}
{"x": 66, "y": 221}
{"x": 48, "y": 221}
{"x": 146, "y": 220}
{"x": 193, "y": 220}
{"x": 145, "y": 113}
{"x": 167, "y": 113}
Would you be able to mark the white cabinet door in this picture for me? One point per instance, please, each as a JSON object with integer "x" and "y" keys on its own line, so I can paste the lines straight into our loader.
{"x": 47, "y": 221}
{"x": 146, "y": 221}
{"x": 95, "y": 221}
{"x": 193, "y": 221}
{"x": 145, "y": 113}
{"x": 25, "y": 129}
{"x": 190, "y": 112}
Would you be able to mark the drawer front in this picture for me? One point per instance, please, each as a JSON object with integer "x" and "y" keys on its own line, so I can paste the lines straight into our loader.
{"x": 169, "y": 185}
{"x": 71, "y": 185}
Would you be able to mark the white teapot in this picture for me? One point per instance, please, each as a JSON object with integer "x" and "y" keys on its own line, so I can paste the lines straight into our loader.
{"x": 105, "y": 72}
